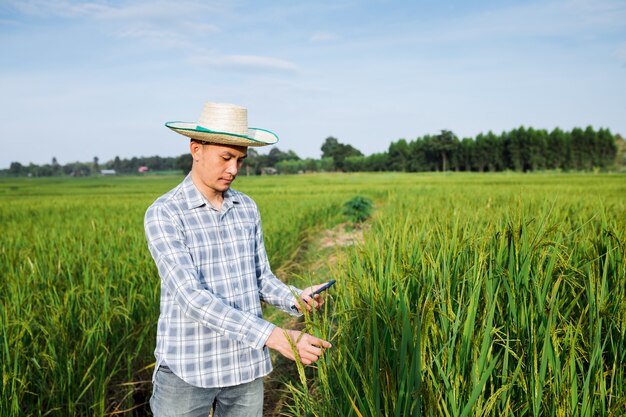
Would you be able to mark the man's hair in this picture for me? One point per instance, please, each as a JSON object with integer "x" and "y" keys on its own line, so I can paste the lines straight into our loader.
{"x": 202, "y": 142}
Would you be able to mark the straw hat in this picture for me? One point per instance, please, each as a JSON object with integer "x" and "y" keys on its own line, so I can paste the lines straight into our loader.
{"x": 225, "y": 124}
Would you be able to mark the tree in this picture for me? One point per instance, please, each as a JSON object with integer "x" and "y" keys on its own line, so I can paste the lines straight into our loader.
{"x": 620, "y": 152}
{"x": 445, "y": 144}
{"x": 276, "y": 155}
{"x": 326, "y": 164}
{"x": 556, "y": 149}
{"x": 590, "y": 145}
{"x": 467, "y": 147}
{"x": 289, "y": 166}
{"x": 421, "y": 158}
{"x": 184, "y": 163}
{"x": 480, "y": 156}
{"x": 579, "y": 149}
{"x": 514, "y": 146}
{"x": 376, "y": 162}
{"x": 338, "y": 152}
{"x": 354, "y": 163}
{"x": 311, "y": 165}
{"x": 77, "y": 169}
{"x": 607, "y": 148}
{"x": 56, "y": 168}
{"x": 399, "y": 156}
{"x": 329, "y": 147}
{"x": 495, "y": 151}
{"x": 536, "y": 149}
{"x": 117, "y": 164}
{"x": 16, "y": 169}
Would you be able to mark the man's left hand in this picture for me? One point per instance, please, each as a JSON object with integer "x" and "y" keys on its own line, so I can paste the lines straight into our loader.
{"x": 310, "y": 302}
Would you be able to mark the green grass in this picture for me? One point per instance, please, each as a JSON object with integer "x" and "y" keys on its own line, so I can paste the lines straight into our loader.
{"x": 496, "y": 294}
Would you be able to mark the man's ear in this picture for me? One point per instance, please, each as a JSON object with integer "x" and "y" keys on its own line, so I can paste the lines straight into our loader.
{"x": 195, "y": 149}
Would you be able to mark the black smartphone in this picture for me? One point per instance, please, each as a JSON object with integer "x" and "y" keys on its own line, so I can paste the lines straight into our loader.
{"x": 321, "y": 289}
{"x": 324, "y": 288}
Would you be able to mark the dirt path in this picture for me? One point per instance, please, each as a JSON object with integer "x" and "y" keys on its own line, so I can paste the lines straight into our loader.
{"x": 317, "y": 260}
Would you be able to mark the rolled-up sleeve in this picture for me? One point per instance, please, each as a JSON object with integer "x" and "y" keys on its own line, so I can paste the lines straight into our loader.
{"x": 273, "y": 291}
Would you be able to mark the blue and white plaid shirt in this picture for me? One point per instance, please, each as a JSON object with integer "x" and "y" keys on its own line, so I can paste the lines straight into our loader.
{"x": 214, "y": 273}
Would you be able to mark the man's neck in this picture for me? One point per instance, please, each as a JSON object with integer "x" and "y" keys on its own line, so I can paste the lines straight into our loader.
{"x": 216, "y": 201}
{"x": 214, "y": 197}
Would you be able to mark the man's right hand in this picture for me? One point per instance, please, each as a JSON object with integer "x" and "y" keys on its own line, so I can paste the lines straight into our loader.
{"x": 307, "y": 347}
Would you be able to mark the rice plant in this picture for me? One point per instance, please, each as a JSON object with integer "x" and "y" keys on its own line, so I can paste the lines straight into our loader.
{"x": 79, "y": 293}
{"x": 468, "y": 300}
{"x": 494, "y": 295}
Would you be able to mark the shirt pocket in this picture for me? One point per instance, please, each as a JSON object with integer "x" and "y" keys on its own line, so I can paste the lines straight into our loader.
{"x": 244, "y": 238}
{"x": 204, "y": 246}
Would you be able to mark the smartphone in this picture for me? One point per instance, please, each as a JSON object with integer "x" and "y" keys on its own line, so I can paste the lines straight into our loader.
{"x": 325, "y": 287}
{"x": 321, "y": 289}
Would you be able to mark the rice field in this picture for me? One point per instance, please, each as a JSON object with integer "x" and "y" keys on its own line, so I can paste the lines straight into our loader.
{"x": 470, "y": 294}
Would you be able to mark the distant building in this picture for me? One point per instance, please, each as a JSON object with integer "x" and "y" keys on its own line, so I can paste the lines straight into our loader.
{"x": 143, "y": 169}
{"x": 269, "y": 171}
{"x": 107, "y": 172}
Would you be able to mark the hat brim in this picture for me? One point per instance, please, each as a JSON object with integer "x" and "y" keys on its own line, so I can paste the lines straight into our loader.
{"x": 255, "y": 137}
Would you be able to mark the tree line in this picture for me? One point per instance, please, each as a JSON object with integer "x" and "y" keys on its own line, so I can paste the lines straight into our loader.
{"x": 522, "y": 149}
{"x": 83, "y": 169}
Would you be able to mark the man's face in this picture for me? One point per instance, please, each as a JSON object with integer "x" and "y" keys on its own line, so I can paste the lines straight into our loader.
{"x": 217, "y": 165}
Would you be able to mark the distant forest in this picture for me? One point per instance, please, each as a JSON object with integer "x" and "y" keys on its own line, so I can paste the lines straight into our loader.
{"x": 522, "y": 149}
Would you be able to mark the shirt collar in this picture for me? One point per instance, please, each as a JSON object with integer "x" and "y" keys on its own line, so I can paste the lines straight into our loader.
{"x": 195, "y": 199}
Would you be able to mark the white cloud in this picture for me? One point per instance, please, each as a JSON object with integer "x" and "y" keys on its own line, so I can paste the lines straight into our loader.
{"x": 246, "y": 62}
{"x": 607, "y": 14}
{"x": 555, "y": 19}
{"x": 202, "y": 28}
{"x": 322, "y": 37}
{"x": 139, "y": 10}
{"x": 144, "y": 21}
{"x": 62, "y": 8}
{"x": 168, "y": 37}
{"x": 160, "y": 37}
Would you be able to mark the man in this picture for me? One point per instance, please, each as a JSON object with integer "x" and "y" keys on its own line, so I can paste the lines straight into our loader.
{"x": 206, "y": 240}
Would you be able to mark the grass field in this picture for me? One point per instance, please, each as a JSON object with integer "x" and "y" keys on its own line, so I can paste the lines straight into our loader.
{"x": 471, "y": 294}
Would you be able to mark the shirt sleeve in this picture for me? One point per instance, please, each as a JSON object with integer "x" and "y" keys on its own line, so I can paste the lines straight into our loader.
{"x": 273, "y": 291}
{"x": 178, "y": 274}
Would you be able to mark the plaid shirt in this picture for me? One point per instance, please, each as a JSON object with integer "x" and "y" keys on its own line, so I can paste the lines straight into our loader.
{"x": 214, "y": 273}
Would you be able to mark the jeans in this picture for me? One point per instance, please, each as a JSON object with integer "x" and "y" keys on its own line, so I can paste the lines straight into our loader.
{"x": 171, "y": 396}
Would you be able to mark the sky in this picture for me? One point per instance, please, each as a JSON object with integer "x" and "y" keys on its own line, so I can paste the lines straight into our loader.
{"x": 85, "y": 79}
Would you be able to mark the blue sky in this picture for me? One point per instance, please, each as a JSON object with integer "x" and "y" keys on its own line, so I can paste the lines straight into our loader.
{"x": 80, "y": 79}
